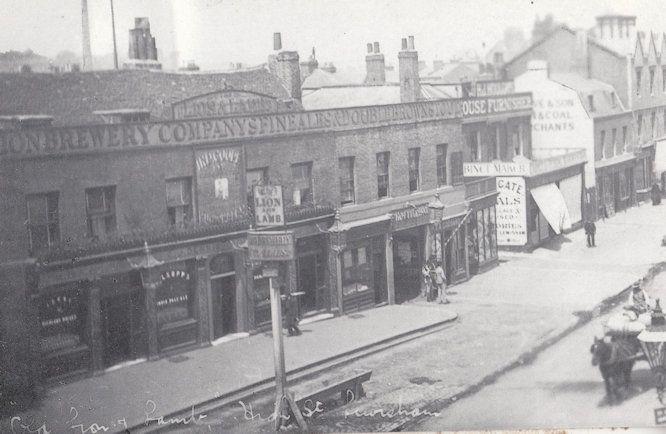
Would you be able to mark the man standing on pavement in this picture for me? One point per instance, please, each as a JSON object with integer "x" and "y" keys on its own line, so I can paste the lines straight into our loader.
{"x": 590, "y": 230}
{"x": 427, "y": 282}
{"x": 440, "y": 280}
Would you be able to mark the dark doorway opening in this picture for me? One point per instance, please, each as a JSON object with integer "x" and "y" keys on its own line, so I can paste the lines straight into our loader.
{"x": 224, "y": 305}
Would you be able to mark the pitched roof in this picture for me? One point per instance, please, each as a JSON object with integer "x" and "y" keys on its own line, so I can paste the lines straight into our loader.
{"x": 450, "y": 73}
{"x": 72, "y": 98}
{"x": 605, "y": 99}
{"x": 351, "y": 96}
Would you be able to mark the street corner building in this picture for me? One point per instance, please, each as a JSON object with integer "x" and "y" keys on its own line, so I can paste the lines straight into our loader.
{"x": 129, "y": 205}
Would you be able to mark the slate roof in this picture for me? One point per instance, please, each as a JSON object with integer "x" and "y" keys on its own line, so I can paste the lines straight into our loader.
{"x": 71, "y": 98}
{"x": 605, "y": 104}
{"x": 351, "y": 96}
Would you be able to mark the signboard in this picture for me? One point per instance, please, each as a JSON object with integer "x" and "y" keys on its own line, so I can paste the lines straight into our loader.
{"x": 495, "y": 105}
{"x": 219, "y": 184}
{"x": 411, "y": 217}
{"x": 496, "y": 168}
{"x": 95, "y": 138}
{"x": 268, "y": 206}
{"x": 511, "y": 211}
{"x": 226, "y": 103}
{"x": 270, "y": 246}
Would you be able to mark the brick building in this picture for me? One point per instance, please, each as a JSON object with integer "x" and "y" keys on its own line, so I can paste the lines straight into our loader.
{"x": 629, "y": 61}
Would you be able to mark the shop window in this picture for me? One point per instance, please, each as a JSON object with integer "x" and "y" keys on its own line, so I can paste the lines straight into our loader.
{"x": 356, "y": 270}
{"x": 481, "y": 236}
{"x": 639, "y": 72}
{"x": 301, "y": 175}
{"x": 624, "y": 191}
{"x": 101, "y": 211}
{"x": 441, "y": 164}
{"x": 43, "y": 223}
{"x": 457, "y": 168}
{"x": 179, "y": 201}
{"x": 174, "y": 296}
{"x": 651, "y": 80}
{"x": 472, "y": 240}
{"x": 62, "y": 320}
{"x": 383, "y": 159}
{"x": 346, "y": 167}
{"x": 493, "y": 134}
{"x": 413, "y": 162}
{"x": 516, "y": 138}
{"x": 640, "y": 174}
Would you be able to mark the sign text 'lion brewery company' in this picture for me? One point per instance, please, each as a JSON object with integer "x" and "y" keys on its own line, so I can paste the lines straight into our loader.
{"x": 270, "y": 246}
{"x": 227, "y": 103}
{"x": 268, "y": 205}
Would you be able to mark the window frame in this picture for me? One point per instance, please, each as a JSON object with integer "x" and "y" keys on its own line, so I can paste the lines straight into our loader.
{"x": 108, "y": 214}
{"x": 457, "y": 173}
{"x": 639, "y": 73}
{"x": 185, "y": 210}
{"x": 442, "y": 173}
{"x": 414, "y": 169}
{"x": 383, "y": 176}
{"x": 347, "y": 181}
{"x": 305, "y": 195}
{"x": 51, "y": 223}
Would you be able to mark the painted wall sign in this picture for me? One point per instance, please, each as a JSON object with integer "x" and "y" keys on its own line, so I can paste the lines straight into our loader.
{"x": 65, "y": 140}
{"x": 173, "y": 295}
{"x": 226, "y": 103}
{"x": 511, "y": 211}
{"x": 496, "y": 168}
{"x": 410, "y": 217}
{"x": 220, "y": 183}
{"x": 270, "y": 246}
{"x": 495, "y": 105}
{"x": 268, "y": 205}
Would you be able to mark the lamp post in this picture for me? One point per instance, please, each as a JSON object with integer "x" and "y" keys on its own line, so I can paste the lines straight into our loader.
{"x": 436, "y": 215}
{"x": 653, "y": 341}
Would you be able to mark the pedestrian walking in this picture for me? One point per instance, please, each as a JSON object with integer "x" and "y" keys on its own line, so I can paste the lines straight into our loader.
{"x": 291, "y": 312}
{"x": 440, "y": 280}
{"x": 426, "y": 281}
{"x": 588, "y": 233}
{"x": 655, "y": 194}
{"x": 593, "y": 231}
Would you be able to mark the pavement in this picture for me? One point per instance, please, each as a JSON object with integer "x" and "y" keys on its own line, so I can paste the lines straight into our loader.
{"x": 127, "y": 397}
{"x": 505, "y": 317}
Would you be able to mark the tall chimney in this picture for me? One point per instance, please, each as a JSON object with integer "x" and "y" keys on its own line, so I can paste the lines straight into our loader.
{"x": 408, "y": 64}
{"x": 287, "y": 69}
{"x": 374, "y": 65}
{"x": 85, "y": 34}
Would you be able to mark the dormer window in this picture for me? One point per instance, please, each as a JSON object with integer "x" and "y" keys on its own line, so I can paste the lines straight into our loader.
{"x": 638, "y": 81}
{"x": 651, "y": 80}
{"x": 613, "y": 98}
{"x": 590, "y": 101}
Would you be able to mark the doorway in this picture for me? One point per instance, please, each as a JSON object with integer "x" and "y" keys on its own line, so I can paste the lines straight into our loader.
{"x": 116, "y": 328}
{"x": 307, "y": 282}
{"x": 224, "y": 305}
{"x": 408, "y": 252}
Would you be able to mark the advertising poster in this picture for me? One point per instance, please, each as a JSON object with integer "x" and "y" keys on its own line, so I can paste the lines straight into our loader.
{"x": 511, "y": 211}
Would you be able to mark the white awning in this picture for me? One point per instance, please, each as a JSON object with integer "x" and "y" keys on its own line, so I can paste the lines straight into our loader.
{"x": 551, "y": 203}
{"x": 356, "y": 223}
{"x": 660, "y": 157}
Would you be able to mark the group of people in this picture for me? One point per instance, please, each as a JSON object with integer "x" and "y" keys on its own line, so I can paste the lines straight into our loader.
{"x": 434, "y": 281}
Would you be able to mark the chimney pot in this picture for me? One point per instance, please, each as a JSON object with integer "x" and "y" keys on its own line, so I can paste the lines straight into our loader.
{"x": 376, "y": 47}
{"x": 404, "y": 43}
{"x": 411, "y": 42}
{"x": 277, "y": 41}
{"x": 369, "y": 47}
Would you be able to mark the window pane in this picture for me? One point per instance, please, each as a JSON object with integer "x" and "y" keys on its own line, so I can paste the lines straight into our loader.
{"x": 39, "y": 237}
{"x": 37, "y": 209}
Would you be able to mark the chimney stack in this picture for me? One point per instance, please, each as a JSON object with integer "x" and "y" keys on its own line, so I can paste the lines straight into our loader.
{"x": 142, "y": 53}
{"x": 286, "y": 67}
{"x": 87, "y": 52}
{"x": 374, "y": 66}
{"x": 408, "y": 65}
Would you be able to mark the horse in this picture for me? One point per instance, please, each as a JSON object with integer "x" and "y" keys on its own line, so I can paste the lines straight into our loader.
{"x": 615, "y": 360}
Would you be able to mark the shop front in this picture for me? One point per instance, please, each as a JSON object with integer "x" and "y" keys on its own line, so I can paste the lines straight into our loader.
{"x": 64, "y": 331}
{"x": 409, "y": 229}
{"x": 615, "y": 185}
{"x": 177, "y": 308}
{"x": 644, "y": 173}
{"x": 482, "y": 237}
{"x": 312, "y": 274}
{"x": 224, "y": 297}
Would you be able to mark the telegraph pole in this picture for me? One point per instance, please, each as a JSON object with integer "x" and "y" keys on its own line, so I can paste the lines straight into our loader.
{"x": 113, "y": 30}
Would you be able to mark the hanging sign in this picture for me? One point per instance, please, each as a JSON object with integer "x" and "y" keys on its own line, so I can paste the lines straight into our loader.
{"x": 268, "y": 205}
{"x": 270, "y": 246}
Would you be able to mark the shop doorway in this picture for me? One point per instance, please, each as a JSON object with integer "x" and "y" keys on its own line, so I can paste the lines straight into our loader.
{"x": 307, "y": 282}
{"x": 223, "y": 290}
{"x": 408, "y": 251}
{"x": 379, "y": 276}
{"x": 117, "y": 328}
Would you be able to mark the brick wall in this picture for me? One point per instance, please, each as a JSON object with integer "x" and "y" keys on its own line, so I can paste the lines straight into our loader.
{"x": 607, "y": 124}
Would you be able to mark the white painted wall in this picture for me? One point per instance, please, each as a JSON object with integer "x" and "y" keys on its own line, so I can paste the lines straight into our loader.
{"x": 559, "y": 119}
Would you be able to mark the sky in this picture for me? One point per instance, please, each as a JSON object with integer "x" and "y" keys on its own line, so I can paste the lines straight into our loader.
{"x": 214, "y": 33}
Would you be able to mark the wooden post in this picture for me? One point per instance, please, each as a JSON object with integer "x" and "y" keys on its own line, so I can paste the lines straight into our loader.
{"x": 278, "y": 355}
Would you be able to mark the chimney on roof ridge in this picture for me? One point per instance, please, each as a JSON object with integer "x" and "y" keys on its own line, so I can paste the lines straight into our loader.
{"x": 408, "y": 66}
{"x": 142, "y": 47}
{"x": 286, "y": 67}
{"x": 375, "y": 66}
